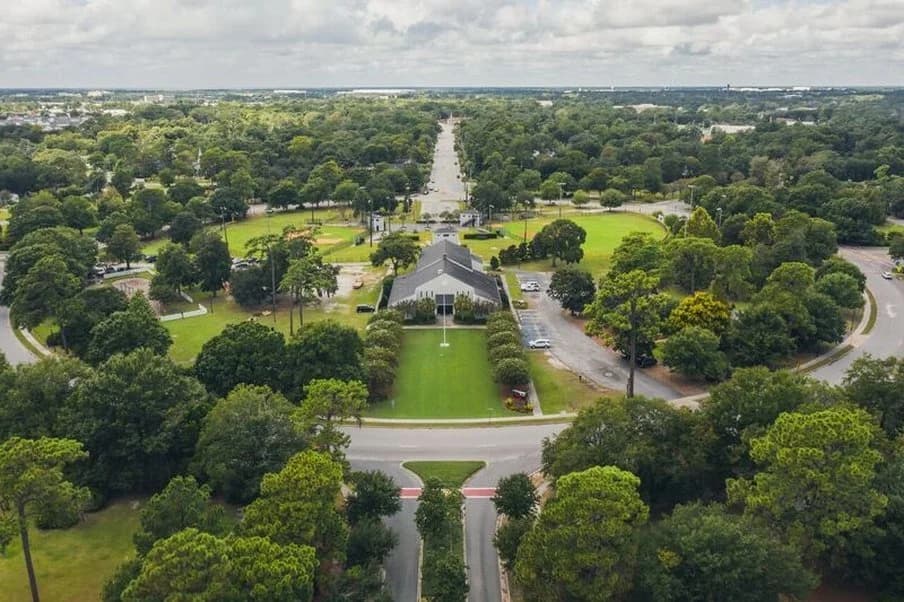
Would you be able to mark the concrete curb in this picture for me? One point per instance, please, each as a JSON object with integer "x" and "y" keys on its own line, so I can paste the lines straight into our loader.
{"x": 850, "y": 342}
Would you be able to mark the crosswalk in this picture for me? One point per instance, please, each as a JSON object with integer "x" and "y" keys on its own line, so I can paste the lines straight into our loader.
{"x": 471, "y": 493}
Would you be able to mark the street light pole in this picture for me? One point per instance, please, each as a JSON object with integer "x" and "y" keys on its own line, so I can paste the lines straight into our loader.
{"x": 561, "y": 192}
{"x": 490, "y": 219}
{"x": 370, "y": 226}
{"x": 719, "y": 210}
{"x": 272, "y": 266}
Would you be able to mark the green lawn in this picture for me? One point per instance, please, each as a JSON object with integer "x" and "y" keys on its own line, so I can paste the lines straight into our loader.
{"x": 514, "y": 286}
{"x": 189, "y": 335}
{"x": 443, "y": 382}
{"x": 453, "y": 474}
{"x": 72, "y": 564}
{"x": 560, "y": 390}
{"x": 604, "y": 233}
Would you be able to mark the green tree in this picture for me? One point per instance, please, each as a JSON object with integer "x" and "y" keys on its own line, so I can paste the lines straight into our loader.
{"x": 704, "y": 553}
{"x": 612, "y": 198}
{"x": 583, "y": 545}
{"x": 31, "y": 473}
{"x": 298, "y": 505}
{"x": 701, "y": 225}
{"x": 573, "y": 288}
{"x": 694, "y": 352}
{"x": 878, "y": 386}
{"x": 637, "y": 251}
{"x": 896, "y": 247}
{"x": 629, "y": 306}
{"x": 512, "y": 372}
{"x": 327, "y": 404}
{"x": 515, "y": 496}
{"x": 580, "y": 198}
{"x": 138, "y": 415}
{"x": 175, "y": 267}
{"x": 212, "y": 261}
{"x": 691, "y": 262}
{"x": 321, "y": 350}
{"x": 79, "y": 213}
{"x": 816, "y": 482}
{"x": 229, "y": 450}
{"x": 400, "y": 250}
{"x": 34, "y": 394}
{"x": 247, "y": 352}
{"x": 184, "y": 227}
{"x": 666, "y": 447}
{"x": 182, "y": 504}
{"x": 842, "y": 288}
{"x": 508, "y": 538}
{"x": 307, "y": 279}
{"x": 41, "y": 294}
{"x": 759, "y": 336}
{"x": 743, "y": 407}
{"x": 701, "y": 310}
{"x": 123, "y": 244}
{"x": 732, "y": 276}
{"x": 202, "y": 567}
{"x": 835, "y": 265}
{"x": 374, "y": 495}
{"x": 125, "y": 331}
{"x": 562, "y": 239}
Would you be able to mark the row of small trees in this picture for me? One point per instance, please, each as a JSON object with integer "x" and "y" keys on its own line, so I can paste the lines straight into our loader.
{"x": 438, "y": 520}
{"x": 505, "y": 350}
{"x": 382, "y": 343}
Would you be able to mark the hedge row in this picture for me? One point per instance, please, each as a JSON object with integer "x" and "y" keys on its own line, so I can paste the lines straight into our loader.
{"x": 382, "y": 344}
{"x": 505, "y": 350}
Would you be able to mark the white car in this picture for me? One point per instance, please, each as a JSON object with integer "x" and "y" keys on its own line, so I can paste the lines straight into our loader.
{"x": 539, "y": 344}
{"x": 530, "y": 286}
{"x": 887, "y": 275}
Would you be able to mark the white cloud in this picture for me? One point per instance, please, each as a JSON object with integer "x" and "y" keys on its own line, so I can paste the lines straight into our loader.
{"x": 235, "y": 43}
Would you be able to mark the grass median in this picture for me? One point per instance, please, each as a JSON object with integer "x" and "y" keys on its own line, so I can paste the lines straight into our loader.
{"x": 452, "y": 473}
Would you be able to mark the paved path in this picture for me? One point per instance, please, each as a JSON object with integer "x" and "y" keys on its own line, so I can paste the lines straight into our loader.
{"x": 446, "y": 187}
{"x": 15, "y": 352}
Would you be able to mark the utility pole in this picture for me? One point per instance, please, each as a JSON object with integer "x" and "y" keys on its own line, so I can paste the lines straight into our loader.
{"x": 370, "y": 206}
{"x": 561, "y": 193}
{"x": 272, "y": 266}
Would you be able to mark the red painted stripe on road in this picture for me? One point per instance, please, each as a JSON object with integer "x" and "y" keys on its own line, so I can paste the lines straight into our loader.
{"x": 480, "y": 493}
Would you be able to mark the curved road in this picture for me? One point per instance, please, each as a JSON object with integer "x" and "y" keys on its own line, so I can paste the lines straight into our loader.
{"x": 15, "y": 352}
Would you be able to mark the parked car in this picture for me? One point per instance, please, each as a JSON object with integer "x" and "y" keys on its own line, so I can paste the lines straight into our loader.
{"x": 643, "y": 360}
{"x": 364, "y": 308}
{"x": 530, "y": 286}
{"x": 539, "y": 344}
{"x": 519, "y": 394}
{"x": 151, "y": 259}
{"x": 887, "y": 275}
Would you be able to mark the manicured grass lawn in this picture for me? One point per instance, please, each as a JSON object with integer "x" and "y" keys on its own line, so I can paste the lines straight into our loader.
{"x": 443, "y": 382}
{"x": 453, "y": 474}
{"x": 560, "y": 390}
{"x": 189, "y": 335}
{"x": 604, "y": 232}
{"x": 72, "y": 564}
{"x": 888, "y": 228}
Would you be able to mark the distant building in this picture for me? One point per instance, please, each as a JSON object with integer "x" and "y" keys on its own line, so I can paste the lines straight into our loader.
{"x": 445, "y": 232}
{"x": 469, "y": 219}
{"x": 443, "y": 271}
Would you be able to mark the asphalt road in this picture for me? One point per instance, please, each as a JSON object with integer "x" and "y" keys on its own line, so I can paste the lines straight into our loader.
{"x": 887, "y": 337}
{"x": 15, "y": 352}
{"x": 445, "y": 177}
{"x": 505, "y": 450}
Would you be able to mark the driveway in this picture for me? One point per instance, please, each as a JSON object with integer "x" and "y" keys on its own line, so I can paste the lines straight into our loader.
{"x": 578, "y": 351}
{"x": 15, "y": 352}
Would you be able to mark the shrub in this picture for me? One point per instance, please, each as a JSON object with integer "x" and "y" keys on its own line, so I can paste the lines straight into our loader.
{"x": 384, "y": 339}
{"x": 512, "y": 372}
{"x": 502, "y": 338}
{"x": 506, "y": 351}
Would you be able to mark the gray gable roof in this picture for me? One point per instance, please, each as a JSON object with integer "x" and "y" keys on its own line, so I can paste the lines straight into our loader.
{"x": 444, "y": 257}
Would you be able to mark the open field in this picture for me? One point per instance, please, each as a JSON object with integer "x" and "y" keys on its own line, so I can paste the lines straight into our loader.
{"x": 453, "y": 474}
{"x": 604, "y": 232}
{"x": 560, "y": 389}
{"x": 189, "y": 335}
{"x": 443, "y": 382}
{"x": 72, "y": 564}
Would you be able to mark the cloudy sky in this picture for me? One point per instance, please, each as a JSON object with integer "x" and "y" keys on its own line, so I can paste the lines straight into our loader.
{"x": 308, "y": 43}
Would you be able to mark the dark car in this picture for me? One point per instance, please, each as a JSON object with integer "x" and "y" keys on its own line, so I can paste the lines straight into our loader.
{"x": 643, "y": 360}
{"x": 151, "y": 259}
{"x": 365, "y": 309}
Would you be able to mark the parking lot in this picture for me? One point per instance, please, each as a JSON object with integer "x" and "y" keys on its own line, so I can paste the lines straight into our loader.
{"x": 532, "y": 324}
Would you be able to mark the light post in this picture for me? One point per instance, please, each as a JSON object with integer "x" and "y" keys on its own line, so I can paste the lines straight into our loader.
{"x": 490, "y": 218}
{"x": 692, "y": 187}
{"x": 719, "y": 211}
{"x": 561, "y": 193}
{"x": 225, "y": 235}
